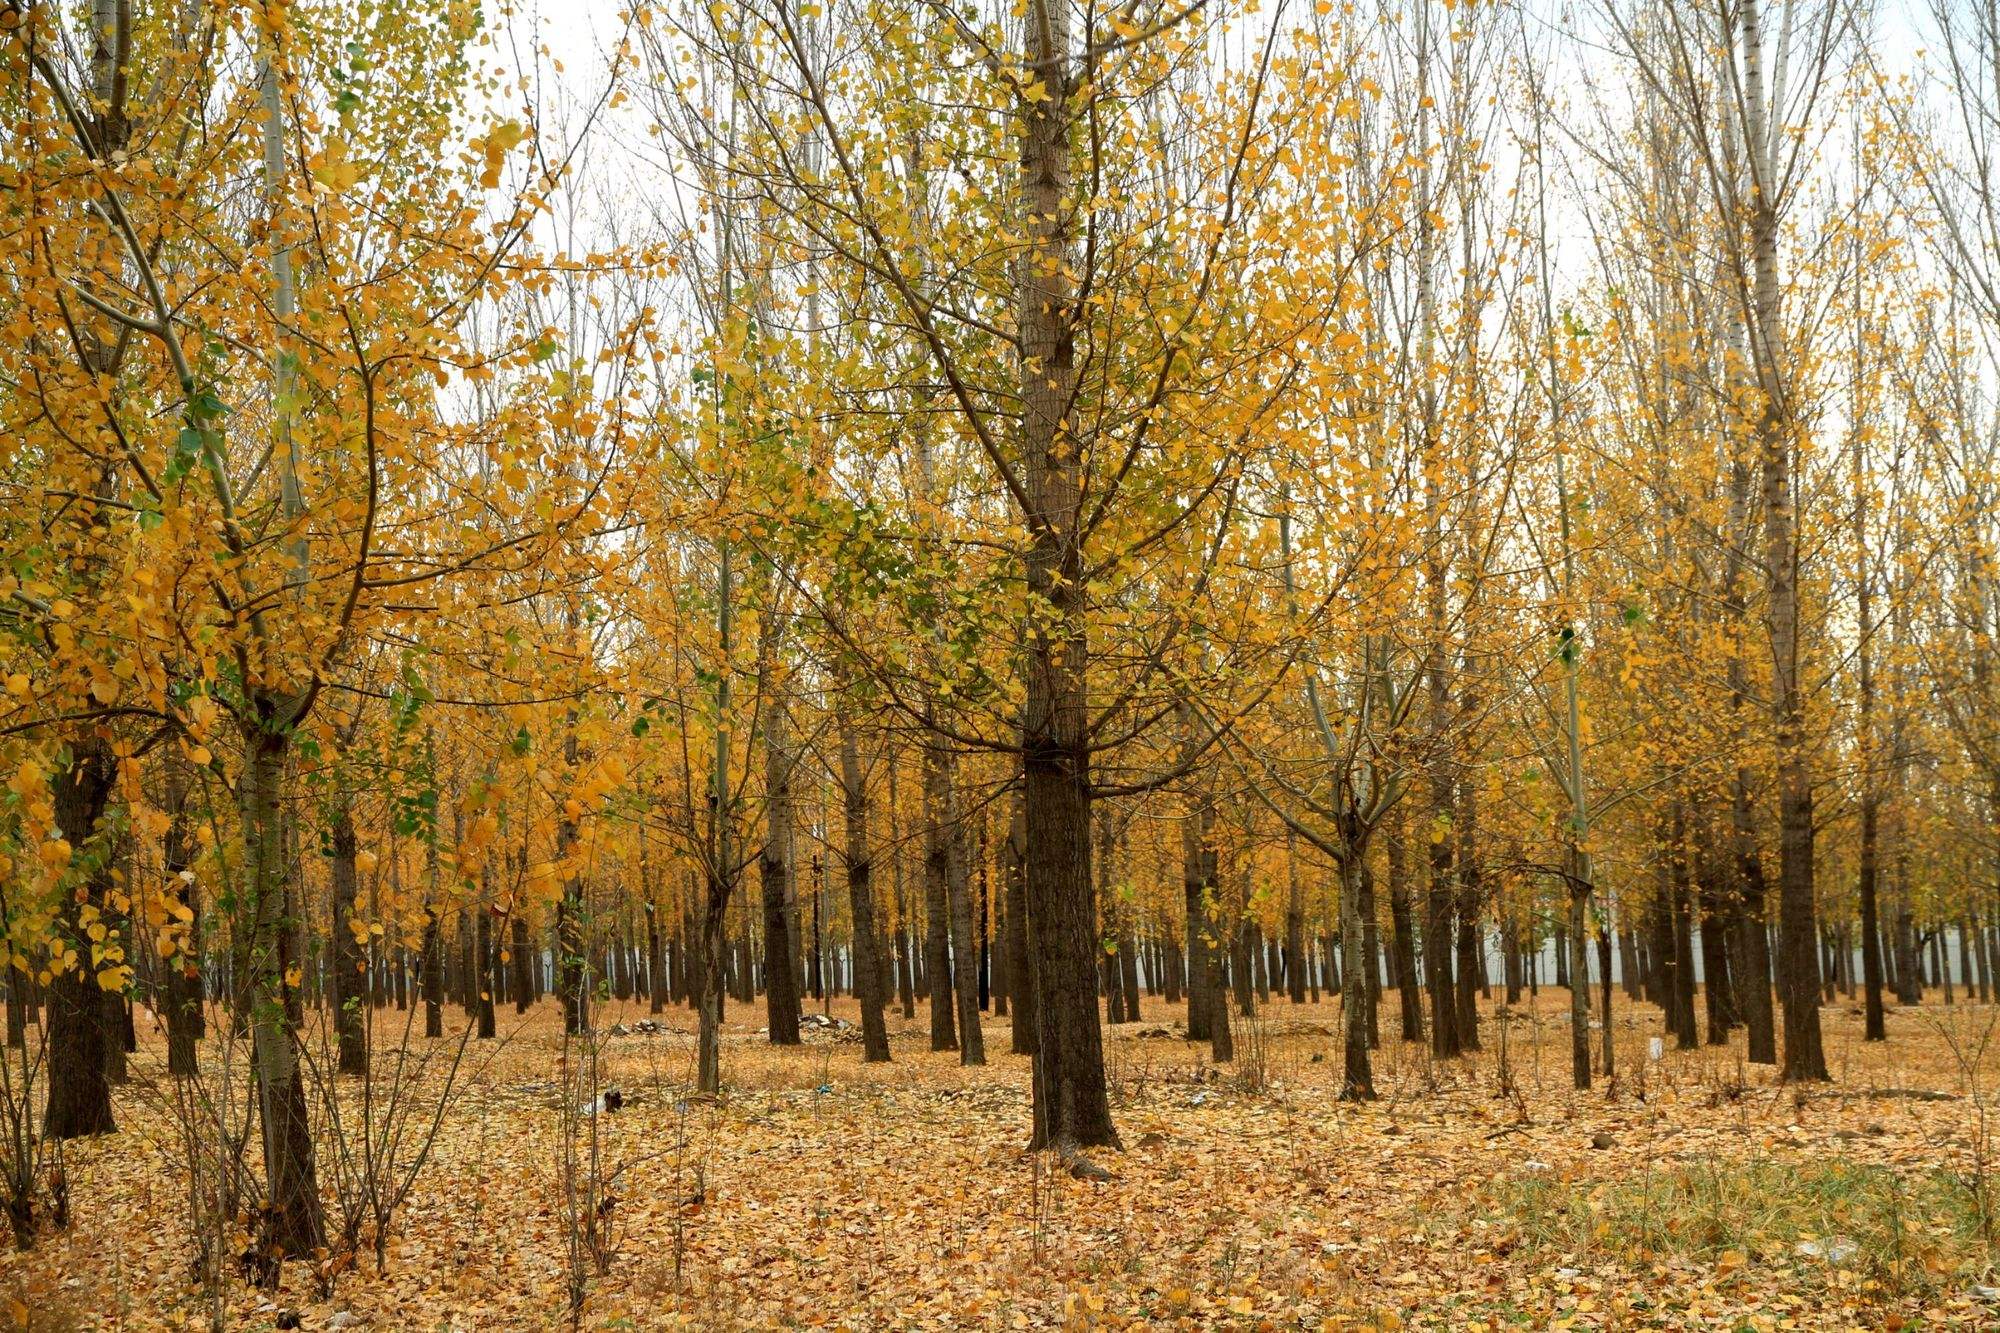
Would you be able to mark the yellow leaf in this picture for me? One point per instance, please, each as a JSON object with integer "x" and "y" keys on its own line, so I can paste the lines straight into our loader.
{"x": 335, "y": 169}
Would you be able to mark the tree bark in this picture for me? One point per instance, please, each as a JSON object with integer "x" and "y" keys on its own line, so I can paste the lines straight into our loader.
{"x": 79, "y": 1101}
{"x": 1072, "y": 1103}
{"x": 293, "y": 1217}
{"x": 1804, "y": 1055}
{"x": 860, "y": 864}
{"x": 781, "y": 993}
{"x": 350, "y": 981}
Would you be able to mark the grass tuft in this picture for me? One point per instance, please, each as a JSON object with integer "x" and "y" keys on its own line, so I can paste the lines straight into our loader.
{"x": 1892, "y": 1234}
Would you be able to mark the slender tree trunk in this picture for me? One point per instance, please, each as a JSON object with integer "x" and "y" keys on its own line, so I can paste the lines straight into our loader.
{"x": 860, "y": 862}
{"x": 1466, "y": 1002}
{"x": 1026, "y": 1028}
{"x": 1295, "y": 924}
{"x": 1681, "y": 1001}
{"x": 522, "y": 950}
{"x": 937, "y": 904}
{"x": 1357, "y": 1080}
{"x": 1580, "y": 889}
{"x": 184, "y": 980}
{"x": 349, "y": 979}
{"x": 964, "y": 949}
{"x": 1371, "y": 951}
{"x": 1438, "y": 930}
{"x": 571, "y": 942}
{"x": 433, "y": 974}
{"x": 781, "y": 995}
{"x": 1198, "y": 891}
{"x": 1402, "y": 922}
{"x": 486, "y": 979}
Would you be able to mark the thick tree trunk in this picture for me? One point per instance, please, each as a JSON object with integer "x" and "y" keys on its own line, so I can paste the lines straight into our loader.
{"x": 1243, "y": 963}
{"x": 79, "y": 1092}
{"x": 293, "y": 1216}
{"x": 1072, "y": 1104}
{"x": 1717, "y": 988}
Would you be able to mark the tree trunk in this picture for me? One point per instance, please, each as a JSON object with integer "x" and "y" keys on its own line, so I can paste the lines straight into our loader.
{"x": 79, "y": 1092}
{"x": 937, "y": 903}
{"x": 1295, "y": 924}
{"x": 868, "y": 988}
{"x": 183, "y": 980}
{"x": 774, "y": 864}
{"x": 1716, "y": 988}
{"x": 1021, "y": 963}
{"x": 1438, "y": 929}
{"x": 293, "y": 1217}
{"x": 1580, "y": 889}
{"x": 522, "y": 959}
{"x": 1465, "y": 825}
{"x": 1198, "y": 891}
{"x": 349, "y": 978}
{"x": 964, "y": 949}
{"x": 1072, "y": 1104}
{"x": 485, "y": 979}
{"x": 1357, "y": 1080}
{"x": 1804, "y": 1056}
{"x": 1402, "y": 922}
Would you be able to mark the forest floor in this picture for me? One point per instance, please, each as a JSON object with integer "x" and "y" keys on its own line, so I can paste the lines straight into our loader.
{"x": 1692, "y": 1192}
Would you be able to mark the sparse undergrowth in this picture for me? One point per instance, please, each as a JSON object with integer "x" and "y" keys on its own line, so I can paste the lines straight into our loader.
{"x": 822, "y": 1192}
{"x": 1872, "y": 1229}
